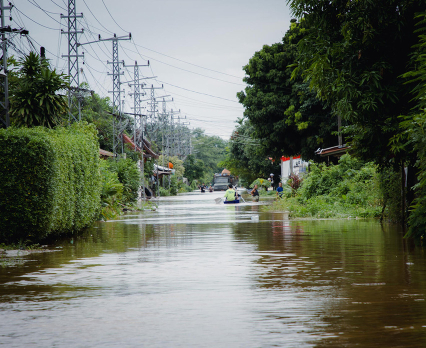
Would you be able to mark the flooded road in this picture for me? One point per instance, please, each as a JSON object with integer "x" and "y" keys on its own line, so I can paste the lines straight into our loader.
{"x": 195, "y": 273}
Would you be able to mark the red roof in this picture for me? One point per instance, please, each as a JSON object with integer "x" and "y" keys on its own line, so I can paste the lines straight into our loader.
{"x": 288, "y": 158}
{"x": 127, "y": 140}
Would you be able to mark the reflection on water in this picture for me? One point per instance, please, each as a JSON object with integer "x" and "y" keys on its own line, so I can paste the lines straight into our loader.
{"x": 195, "y": 273}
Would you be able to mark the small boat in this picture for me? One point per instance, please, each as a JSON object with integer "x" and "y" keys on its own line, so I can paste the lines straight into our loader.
{"x": 232, "y": 202}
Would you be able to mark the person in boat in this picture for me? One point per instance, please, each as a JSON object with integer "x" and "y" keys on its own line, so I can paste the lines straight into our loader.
{"x": 230, "y": 194}
{"x": 255, "y": 194}
{"x": 280, "y": 190}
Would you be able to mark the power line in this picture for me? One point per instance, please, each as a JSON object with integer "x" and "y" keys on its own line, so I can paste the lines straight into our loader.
{"x": 209, "y": 105}
{"x": 90, "y": 25}
{"x": 37, "y": 5}
{"x": 32, "y": 20}
{"x": 59, "y": 5}
{"x": 183, "y": 61}
{"x": 97, "y": 19}
{"x": 206, "y": 94}
{"x": 53, "y": 54}
{"x": 113, "y": 17}
{"x": 192, "y": 72}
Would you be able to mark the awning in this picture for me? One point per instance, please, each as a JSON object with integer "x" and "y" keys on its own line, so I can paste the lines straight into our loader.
{"x": 337, "y": 150}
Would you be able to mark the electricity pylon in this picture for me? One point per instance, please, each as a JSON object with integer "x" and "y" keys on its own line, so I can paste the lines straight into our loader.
{"x": 138, "y": 127}
{"x": 73, "y": 72}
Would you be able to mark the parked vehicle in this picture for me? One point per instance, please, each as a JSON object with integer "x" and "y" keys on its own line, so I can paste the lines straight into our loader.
{"x": 221, "y": 181}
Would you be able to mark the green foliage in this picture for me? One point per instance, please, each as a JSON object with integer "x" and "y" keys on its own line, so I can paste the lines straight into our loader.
{"x": 350, "y": 188}
{"x": 184, "y": 188}
{"x": 128, "y": 174}
{"x": 194, "y": 185}
{"x": 174, "y": 185}
{"x": 245, "y": 158}
{"x": 111, "y": 193}
{"x": 34, "y": 100}
{"x": 285, "y": 115}
{"x": 50, "y": 181}
{"x": 97, "y": 110}
{"x": 164, "y": 192}
{"x": 390, "y": 189}
{"x": 261, "y": 183}
{"x": 210, "y": 150}
{"x": 148, "y": 168}
{"x": 353, "y": 55}
{"x": 294, "y": 182}
{"x": 194, "y": 168}
{"x": 413, "y": 134}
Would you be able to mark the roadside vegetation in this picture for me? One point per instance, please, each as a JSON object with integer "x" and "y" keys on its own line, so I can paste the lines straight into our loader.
{"x": 348, "y": 189}
{"x": 358, "y": 63}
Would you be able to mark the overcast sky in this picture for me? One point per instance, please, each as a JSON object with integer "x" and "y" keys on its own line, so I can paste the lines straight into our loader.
{"x": 196, "y": 48}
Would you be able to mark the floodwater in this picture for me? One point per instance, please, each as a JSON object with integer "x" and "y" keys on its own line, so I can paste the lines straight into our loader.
{"x": 195, "y": 273}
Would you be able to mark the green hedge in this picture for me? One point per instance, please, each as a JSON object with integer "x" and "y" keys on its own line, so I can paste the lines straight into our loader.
{"x": 50, "y": 181}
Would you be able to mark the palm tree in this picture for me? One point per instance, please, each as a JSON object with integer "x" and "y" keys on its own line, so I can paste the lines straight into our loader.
{"x": 34, "y": 97}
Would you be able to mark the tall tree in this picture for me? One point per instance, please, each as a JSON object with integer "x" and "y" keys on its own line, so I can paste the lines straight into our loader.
{"x": 353, "y": 54}
{"x": 245, "y": 158}
{"x": 285, "y": 115}
{"x": 413, "y": 131}
{"x": 210, "y": 150}
{"x": 194, "y": 168}
{"x": 35, "y": 98}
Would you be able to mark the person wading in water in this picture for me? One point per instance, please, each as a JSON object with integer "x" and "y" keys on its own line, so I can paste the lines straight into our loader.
{"x": 255, "y": 194}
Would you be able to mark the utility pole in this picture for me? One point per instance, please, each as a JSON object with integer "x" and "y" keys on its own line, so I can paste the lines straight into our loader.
{"x": 4, "y": 82}
{"x": 171, "y": 149}
{"x": 164, "y": 123}
{"x": 173, "y": 131}
{"x": 184, "y": 142}
{"x": 138, "y": 127}
{"x": 153, "y": 106}
{"x": 73, "y": 73}
{"x": 118, "y": 125}
{"x": 152, "y": 102}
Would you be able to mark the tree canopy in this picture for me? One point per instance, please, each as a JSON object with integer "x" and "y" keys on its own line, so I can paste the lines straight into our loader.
{"x": 245, "y": 158}
{"x": 285, "y": 115}
{"x": 353, "y": 54}
{"x": 210, "y": 150}
{"x": 34, "y": 97}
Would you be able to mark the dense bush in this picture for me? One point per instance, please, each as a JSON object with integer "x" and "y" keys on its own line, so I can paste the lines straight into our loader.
{"x": 129, "y": 175}
{"x": 173, "y": 185}
{"x": 164, "y": 192}
{"x": 50, "y": 181}
{"x": 261, "y": 183}
{"x": 111, "y": 193}
{"x": 350, "y": 188}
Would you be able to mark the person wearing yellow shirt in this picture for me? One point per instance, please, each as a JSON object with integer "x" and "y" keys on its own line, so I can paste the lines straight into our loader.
{"x": 230, "y": 194}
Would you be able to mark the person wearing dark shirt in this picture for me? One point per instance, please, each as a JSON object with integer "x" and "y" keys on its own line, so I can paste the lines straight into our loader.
{"x": 255, "y": 194}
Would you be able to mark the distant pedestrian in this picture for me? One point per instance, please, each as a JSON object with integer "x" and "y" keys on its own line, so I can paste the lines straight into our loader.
{"x": 280, "y": 190}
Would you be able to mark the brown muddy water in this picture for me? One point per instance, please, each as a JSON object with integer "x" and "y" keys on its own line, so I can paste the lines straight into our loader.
{"x": 199, "y": 274}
